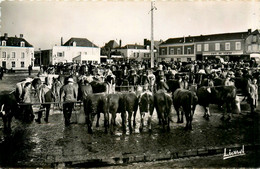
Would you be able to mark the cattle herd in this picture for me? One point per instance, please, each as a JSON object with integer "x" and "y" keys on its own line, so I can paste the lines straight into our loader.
{"x": 126, "y": 86}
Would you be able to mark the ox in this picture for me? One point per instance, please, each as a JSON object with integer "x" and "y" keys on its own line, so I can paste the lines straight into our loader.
{"x": 8, "y": 109}
{"x": 187, "y": 100}
{"x": 94, "y": 104}
{"x": 221, "y": 95}
{"x": 114, "y": 105}
{"x": 146, "y": 105}
{"x": 163, "y": 103}
{"x": 130, "y": 104}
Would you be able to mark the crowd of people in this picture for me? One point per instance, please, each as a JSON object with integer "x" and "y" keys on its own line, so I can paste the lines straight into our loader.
{"x": 138, "y": 77}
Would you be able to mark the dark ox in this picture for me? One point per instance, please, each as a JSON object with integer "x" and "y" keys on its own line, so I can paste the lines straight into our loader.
{"x": 187, "y": 100}
{"x": 163, "y": 103}
{"x": 146, "y": 105}
{"x": 114, "y": 106}
{"x": 220, "y": 95}
{"x": 95, "y": 104}
{"x": 8, "y": 109}
{"x": 130, "y": 105}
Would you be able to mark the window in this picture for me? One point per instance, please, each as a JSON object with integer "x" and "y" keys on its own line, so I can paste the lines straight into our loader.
{"x": 13, "y": 64}
{"x": 178, "y": 59}
{"x": 22, "y": 55}
{"x": 227, "y": 46}
{"x": 188, "y": 59}
{"x": 59, "y": 54}
{"x": 171, "y": 51}
{"x": 163, "y": 51}
{"x": 22, "y": 44}
{"x": 206, "y": 47}
{"x": 3, "y": 43}
{"x": 217, "y": 46}
{"x": 3, "y": 54}
{"x": 179, "y": 51}
{"x": 249, "y": 48}
{"x": 254, "y": 47}
{"x": 137, "y": 54}
{"x": 74, "y": 43}
{"x": 13, "y": 54}
{"x": 188, "y": 51}
{"x": 199, "y": 48}
{"x": 238, "y": 45}
{"x": 22, "y": 64}
{"x": 254, "y": 38}
{"x": 134, "y": 54}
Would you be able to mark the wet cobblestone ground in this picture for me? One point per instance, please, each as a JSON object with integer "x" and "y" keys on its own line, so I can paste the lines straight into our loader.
{"x": 53, "y": 144}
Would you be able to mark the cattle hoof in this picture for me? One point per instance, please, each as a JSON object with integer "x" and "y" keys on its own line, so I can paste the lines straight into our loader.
{"x": 140, "y": 129}
{"x": 38, "y": 120}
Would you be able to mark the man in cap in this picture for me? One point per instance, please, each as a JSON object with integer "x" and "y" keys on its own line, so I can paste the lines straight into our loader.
{"x": 46, "y": 95}
{"x": 69, "y": 97}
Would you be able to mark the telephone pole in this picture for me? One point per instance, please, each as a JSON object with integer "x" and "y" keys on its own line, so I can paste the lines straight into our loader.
{"x": 152, "y": 41}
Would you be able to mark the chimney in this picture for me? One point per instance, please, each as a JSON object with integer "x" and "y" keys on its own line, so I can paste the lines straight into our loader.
{"x": 249, "y": 31}
{"x": 145, "y": 41}
{"x": 6, "y": 36}
{"x": 120, "y": 43}
{"x": 21, "y": 35}
{"x": 61, "y": 41}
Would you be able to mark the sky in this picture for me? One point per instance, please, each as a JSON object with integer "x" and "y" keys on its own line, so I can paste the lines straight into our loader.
{"x": 43, "y": 23}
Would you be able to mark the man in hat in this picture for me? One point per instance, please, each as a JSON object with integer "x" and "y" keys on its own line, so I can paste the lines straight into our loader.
{"x": 46, "y": 95}
{"x": 253, "y": 94}
{"x": 69, "y": 97}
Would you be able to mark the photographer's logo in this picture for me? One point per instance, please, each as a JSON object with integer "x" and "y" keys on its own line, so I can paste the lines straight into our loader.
{"x": 229, "y": 153}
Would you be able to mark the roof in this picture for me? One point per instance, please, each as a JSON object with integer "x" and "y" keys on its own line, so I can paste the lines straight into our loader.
{"x": 111, "y": 44}
{"x": 83, "y": 42}
{"x": 132, "y": 46}
{"x": 15, "y": 41}
{"x": 203, "y": 38}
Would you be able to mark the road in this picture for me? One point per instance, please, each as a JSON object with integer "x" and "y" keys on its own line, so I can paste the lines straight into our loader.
{"x": 54, "y": 145}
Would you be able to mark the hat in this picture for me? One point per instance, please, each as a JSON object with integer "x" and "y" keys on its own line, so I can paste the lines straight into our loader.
{"x": 70, "y": 80}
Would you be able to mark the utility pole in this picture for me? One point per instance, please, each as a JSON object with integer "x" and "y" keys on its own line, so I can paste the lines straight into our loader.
{"x": 152, "y": 41}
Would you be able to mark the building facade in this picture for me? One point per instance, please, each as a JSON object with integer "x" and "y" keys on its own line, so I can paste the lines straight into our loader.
{"x": 229, "y": 46}
{"x": 134, "y": 52}
{"x": 177, "y": 49}
{"x": 15, "y": 53}
{"x": 79, "y": 50}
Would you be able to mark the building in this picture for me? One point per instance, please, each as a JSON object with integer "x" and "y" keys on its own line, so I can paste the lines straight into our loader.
{"x": 134, "y": 52}
{"x": 43, "y": 57}
{"x": 16, "y": 53}
{"x": 229, "y": 46}
{"x": 252, "y": 44}
{"x": 177, "y": 49}
{"x": 79, "y": 50}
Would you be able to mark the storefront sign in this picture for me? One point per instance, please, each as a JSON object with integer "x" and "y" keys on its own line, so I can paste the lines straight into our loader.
{"x": 223, "y": 53}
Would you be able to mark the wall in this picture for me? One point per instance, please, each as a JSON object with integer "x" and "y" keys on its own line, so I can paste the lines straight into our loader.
{"x": 28, "y": 57}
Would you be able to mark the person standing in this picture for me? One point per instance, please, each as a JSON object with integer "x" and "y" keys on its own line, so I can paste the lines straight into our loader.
{"x": 69, "y": 97}
{"x": 30, "y": 69}
{"x": 46, "y": 95}
{"x": 1, "y": 72}
{"x": 253, "y": 94}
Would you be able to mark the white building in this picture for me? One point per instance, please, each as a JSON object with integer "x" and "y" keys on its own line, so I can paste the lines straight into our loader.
{"x": 134, "y": 52}
{"x": 79, "y": 50}
{"x": 15, "y": 53}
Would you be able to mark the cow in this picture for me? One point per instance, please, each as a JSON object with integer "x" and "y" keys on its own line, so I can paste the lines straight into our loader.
{"x": 221, "y": 95}
{"x": 8, "y": 109}
{"x": 163, "y": 103}
{"x": 129, "y": 104}
{"x": 114, "y": 106}
{"x": 187, "y": 101}
{"x": 95, "y": 104}
{"x": 146, "y": 105}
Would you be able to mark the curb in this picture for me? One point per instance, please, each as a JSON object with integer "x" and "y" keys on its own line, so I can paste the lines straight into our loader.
{"x": 128, "y": 159}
